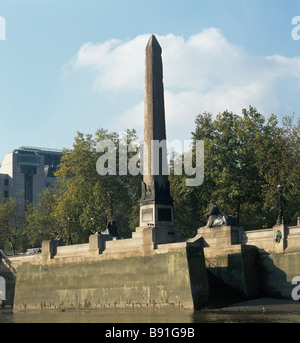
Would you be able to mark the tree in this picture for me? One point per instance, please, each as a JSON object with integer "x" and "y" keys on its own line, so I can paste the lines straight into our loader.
{"x": 278, "y": 161}
{"x": 90, "y": 199}
{"x": 42, "y": 222}
{"x": 246, "y": 156}
{"x": 11, "y": 224}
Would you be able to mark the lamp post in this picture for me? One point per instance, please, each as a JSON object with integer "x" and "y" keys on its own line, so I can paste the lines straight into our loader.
{"x": 280, "y": 218}
{"x": 93, "y": 224}
{"x": 69, "y": 227}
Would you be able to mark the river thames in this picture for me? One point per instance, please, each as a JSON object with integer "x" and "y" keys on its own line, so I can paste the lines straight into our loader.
{"x": 263, "y": 310}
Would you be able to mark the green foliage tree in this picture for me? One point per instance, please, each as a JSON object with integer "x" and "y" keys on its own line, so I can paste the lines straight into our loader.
{"x": 42, "y": 221}
{"x": 246, "y": 157}
{"x": 82, "y": 195}
{"x": 11, "y": 225}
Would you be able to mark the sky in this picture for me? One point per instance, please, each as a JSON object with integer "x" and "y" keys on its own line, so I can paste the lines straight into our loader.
{"x": 78, "y": 65}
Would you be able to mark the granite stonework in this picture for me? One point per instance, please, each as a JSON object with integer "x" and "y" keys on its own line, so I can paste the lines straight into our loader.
{"x": 118, "y": 273}
{"x": 122, "y": 276}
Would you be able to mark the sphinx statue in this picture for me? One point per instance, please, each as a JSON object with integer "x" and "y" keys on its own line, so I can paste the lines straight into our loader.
{"x": 215, "y": 219}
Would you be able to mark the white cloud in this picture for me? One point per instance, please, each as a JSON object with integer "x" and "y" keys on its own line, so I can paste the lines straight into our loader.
{"x": 202, "y": 73}
{"x": 118, "y": 65}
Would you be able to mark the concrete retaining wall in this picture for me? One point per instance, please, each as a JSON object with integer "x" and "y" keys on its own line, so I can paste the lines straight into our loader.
{"x": 253, "y": 263}
{"x": 264, "y": 239}
{"x": 277, "y": 272}
{"x": 169, "y": 280}
{"x": 238, "y": 268}
{"x": 107, "y": 273}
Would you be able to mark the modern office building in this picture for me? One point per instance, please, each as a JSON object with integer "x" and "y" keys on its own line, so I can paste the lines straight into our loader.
{"x": 28, "y": 171}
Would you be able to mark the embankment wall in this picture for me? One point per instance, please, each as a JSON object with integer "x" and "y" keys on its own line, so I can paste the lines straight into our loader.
{"x": 168, "y": 278}
{"x": 106, "y": 273}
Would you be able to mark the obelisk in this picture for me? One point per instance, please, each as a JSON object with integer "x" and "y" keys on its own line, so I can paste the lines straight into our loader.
{"x": 156, "y": 204}
{"x": 154, "y": 113}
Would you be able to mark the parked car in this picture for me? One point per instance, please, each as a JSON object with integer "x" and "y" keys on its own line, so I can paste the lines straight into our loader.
{"x": 33, "y": 251}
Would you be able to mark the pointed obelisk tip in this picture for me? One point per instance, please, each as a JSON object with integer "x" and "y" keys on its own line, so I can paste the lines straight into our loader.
{"x": 153, "y": 43}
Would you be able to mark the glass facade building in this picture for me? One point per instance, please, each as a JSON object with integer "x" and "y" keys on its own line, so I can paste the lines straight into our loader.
{"x": 27, "y": 171}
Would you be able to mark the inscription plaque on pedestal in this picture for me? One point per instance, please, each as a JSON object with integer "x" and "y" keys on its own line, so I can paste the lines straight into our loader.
{"x": 147, "y": 215}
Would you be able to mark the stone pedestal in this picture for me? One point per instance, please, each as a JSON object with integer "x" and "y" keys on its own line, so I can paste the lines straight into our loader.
{"x": 159, "y": 234}
{"x": 97, "y": 243}
{"x": 156, "y": 215}
{"x": 49, "y": 249}
{"x": 220, "y": 237}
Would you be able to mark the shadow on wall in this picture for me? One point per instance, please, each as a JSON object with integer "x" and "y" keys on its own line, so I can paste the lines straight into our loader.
{"x": 221, "y": 294}
{"x": 240, "y": 271}
{"x": 276, "y": 273}
{"x": 8, "y": 278}
{"x": 252, "y": 275}
{"x": 198, "y": 276}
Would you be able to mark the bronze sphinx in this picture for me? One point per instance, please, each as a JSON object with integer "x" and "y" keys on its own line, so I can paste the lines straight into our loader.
{"x": 215, "y": 219}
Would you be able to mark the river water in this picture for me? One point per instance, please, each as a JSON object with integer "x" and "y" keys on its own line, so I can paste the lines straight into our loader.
{"x": 198, "y": 317}
{"x": 258, "y": 311}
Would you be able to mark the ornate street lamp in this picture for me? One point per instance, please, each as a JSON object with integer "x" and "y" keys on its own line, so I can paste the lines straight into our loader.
{"x": 280, "y": 218}
{"x": 69, "y": 227}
